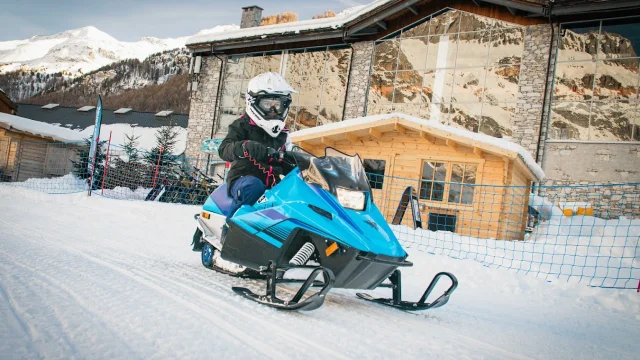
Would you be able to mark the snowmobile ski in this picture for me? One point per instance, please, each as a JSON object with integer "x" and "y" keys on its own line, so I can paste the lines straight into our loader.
{"x": 398, "y": 303}
{"x": 296, "y": 303}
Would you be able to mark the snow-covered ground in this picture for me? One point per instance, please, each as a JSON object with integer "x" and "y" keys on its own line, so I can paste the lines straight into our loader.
{"x": 90, "y": 277}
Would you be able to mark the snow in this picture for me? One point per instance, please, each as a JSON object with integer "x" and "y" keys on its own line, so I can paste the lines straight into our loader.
{"x": 117, "y": 279}
{"x": 146, "y": 141}
{"x": 287, "y": 28}
{"x": 83, "y": 50}
{"x": 475, "y": 137}
{"x": 584, "y": 249}
{"x": 39, "y": 128}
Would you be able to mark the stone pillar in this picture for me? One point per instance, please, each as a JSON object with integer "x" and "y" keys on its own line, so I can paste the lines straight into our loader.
{"x": 531, "y": 88}
{"x": 356, "y": 102}
{"x": 251, "y": 16}
{"x": 202, "y": 109}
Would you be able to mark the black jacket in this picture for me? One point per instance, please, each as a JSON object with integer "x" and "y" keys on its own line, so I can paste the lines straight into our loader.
{"x": 230, "y": 149}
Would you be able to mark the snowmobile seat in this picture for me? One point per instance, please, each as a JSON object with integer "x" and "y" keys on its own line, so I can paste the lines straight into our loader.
{"x": 220, "y": 197}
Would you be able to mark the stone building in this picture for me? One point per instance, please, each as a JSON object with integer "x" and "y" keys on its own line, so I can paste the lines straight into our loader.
{"x": 558, "y": 77}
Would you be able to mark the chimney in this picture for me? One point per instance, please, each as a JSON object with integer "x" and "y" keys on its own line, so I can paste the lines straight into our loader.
{"x": 251, "y": 16}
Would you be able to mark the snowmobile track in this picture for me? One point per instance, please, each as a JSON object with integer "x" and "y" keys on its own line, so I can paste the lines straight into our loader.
{"x": 128, "y": 269}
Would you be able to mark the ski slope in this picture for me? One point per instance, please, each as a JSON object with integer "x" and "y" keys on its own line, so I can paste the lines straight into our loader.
{"x": 97, "y": 278}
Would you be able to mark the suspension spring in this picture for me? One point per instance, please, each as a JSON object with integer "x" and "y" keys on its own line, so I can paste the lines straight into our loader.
{"x": 303, "y": 255}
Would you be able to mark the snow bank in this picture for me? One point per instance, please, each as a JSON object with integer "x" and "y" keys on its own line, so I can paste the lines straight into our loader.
{"x": 60, "y": 185}
{"x": 39, "y": 128}
{"x": 124, "y": 193}
{"x": 576, "y": 249}
{"x": 477, "y": 137}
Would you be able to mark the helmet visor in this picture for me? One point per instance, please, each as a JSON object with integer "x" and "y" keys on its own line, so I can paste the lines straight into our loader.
{"x": 276, "y": 104}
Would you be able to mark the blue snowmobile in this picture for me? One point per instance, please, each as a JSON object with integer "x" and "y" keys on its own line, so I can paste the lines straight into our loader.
{"x": 320, "y": 217}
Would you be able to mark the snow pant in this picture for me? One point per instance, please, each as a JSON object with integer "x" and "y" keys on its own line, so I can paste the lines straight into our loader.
{"x": 246, "y": 190}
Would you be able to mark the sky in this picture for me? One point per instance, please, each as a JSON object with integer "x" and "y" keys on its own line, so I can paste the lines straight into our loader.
{"x": 128, "y": 20}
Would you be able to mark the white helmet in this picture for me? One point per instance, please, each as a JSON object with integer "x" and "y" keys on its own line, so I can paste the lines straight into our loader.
{"x": 268, "y": 100}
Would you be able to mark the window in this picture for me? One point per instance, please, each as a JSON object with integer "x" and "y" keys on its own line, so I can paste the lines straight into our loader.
{"x": 463, "y": 177}
{"x": 375, "y": 172}
{"x": 318, "y": 74}
{"x": 457, "y": 68}
{"x": 595, "y": 95}
{"x": 442, "y": 222}
{"x": 446, "y": 182}
{"x": 434, "y": 175}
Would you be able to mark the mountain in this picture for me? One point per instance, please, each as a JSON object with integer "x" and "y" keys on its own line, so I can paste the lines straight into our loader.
{"x": 157, "y": 83}
{"x": 80, "y": 51}
{"x": 72, "y": 67}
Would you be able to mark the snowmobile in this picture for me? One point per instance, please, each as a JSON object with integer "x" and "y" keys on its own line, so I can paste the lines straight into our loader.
{"x": 320, "y": 217}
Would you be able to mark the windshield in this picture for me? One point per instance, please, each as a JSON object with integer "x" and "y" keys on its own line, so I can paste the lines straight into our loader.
{"x": 335, "y": 169}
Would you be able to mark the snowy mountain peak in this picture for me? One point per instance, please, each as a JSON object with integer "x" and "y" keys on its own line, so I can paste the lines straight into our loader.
{"x": 82, "y": 50}
{"x": 87, "y": 32}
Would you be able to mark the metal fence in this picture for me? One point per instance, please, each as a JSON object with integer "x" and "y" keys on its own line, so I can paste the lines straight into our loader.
{"x": 585, "y": 233}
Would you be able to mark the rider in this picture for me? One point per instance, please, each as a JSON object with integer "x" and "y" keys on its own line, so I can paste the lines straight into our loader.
{"x": 252, "y": 171}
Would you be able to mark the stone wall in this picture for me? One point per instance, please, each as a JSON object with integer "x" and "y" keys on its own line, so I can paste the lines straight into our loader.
{"x": 609, "y": 201}
{"x": 202, "y": 108}
{"x": 531, "y": 87}
{"x": 584, "y": 170}
{"x": 358, "y": 80}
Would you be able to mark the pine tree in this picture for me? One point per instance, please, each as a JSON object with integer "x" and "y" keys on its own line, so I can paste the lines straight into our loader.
{"x": 81, "y": 168}
{"x": 166, "y": 139}
{"x": 127, "y": 172}
{"x": 130, "y": 148}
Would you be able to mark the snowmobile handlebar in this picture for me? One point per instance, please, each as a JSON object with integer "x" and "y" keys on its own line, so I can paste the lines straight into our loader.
{"x": 275, "y": 154}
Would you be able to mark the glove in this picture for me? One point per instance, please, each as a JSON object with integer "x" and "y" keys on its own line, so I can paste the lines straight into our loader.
{"x": 254, "y": 149}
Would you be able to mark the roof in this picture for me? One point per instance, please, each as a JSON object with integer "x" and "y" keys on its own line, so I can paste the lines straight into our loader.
{"x": 371, "y": 18}
{"x": 71, "y": 118}
{"x": 37, "y": 128}
{"x": 326, "y": 134}
{"x": 295, "y": 27}
{"x": 5, "y": 99}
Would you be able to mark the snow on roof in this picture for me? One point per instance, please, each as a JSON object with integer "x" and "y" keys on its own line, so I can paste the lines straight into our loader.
{"x": 50, "y": 106}
{"x": 122, "y": 111}
{"x": 39, "y": 128}
{"x": 86, "y": 108}
{"x": 481, "y": 138}
{"x": 164, "y": 113}
{"x": 287, "y": 28}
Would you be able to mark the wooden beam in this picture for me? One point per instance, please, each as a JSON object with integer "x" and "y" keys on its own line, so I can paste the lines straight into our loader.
{"x": 443, "y": 134}
{"x": 452, "y": 144}
{"x": 341, "y": 130}
{"x": 401, "y": 129}
{"x": 425, "y": 135}
{"x": 375, "y": 133}
{"x": 478, "y": 152}
{"x": 305, "y": 146}
{"x": 327, "y": 141}
{"x": 413, "y": 10}
{"x": 351, "y": 137}
{"x": 382, "y": 24}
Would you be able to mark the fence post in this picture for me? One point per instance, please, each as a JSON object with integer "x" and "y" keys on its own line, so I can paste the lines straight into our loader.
{"x": 638, "y": 291}
{"x": 155, "y": 176}
{"x": 106, "y": 163}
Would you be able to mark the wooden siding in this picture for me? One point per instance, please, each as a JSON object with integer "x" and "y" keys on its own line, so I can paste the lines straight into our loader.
{"x": 23, "y": 156}
{"x": 497, "y": 211}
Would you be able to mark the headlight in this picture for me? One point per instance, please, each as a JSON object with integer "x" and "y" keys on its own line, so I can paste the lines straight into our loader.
{"x": 350, "y": 199}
